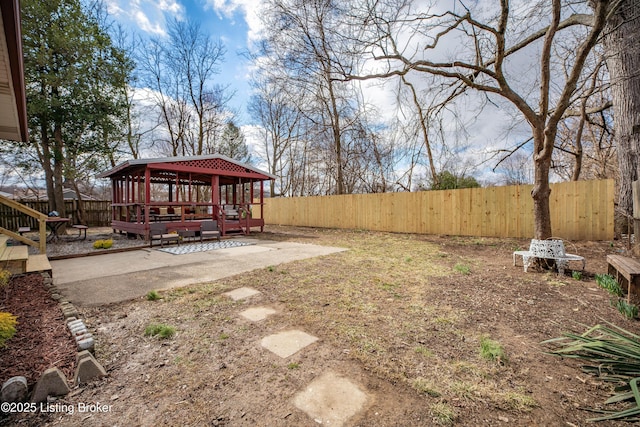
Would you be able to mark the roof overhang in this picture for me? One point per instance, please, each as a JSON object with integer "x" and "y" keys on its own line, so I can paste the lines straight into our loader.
{"x": 13, "y": 105}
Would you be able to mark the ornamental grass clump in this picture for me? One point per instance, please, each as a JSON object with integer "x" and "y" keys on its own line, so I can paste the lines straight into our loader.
{"x": 7, "y": 327}
{"x": 612, "y": 354}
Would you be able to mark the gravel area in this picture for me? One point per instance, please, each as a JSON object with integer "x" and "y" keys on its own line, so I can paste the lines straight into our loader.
{"x": 69, "y": 245}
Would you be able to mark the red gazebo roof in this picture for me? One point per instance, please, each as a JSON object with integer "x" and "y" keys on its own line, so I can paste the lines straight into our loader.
{"x": 201, "y": 167}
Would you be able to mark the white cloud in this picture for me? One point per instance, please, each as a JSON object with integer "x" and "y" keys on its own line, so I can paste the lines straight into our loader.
{"x": 170, "y": 6}
{"x": 149, "y": 16}
{"x": 143, "y": 23}
{"x": 251, "y": 9}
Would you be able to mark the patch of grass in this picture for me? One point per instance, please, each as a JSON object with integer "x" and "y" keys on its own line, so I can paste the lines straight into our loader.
{"x": 424, "y": 351}
{"x": 293, "y": 365}
{"x": 201, "y": 304}
{"x": 223, "y": 336}
{"x": 159, "y": 330}
{"x": 152, "y": 296}
{"x": 424, "y": 386}
{"x": 388, "y": 286}
{"x": 442, "y": 413}
{"x": 462, "y": 268}
{"x": 577, "y": 275}
{"x": 464, "y": 389}
{"x": 492, "y": 350}
{"x": 461, "y": 367}
{"x": 519, "y": 402}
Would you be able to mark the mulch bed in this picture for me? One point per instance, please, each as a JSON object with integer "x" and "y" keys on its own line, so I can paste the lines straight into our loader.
{"x": 42, "y": 339}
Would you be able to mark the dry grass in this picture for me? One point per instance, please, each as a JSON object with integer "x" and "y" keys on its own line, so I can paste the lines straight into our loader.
{"x": 393, "y": 307}
{"x": 378, "y": 301}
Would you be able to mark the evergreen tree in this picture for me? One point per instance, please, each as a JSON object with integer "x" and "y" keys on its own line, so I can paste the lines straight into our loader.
{"x": 74, "y": 78}
{"x": 449, "y": 181}
{"x": 233, "y": 144}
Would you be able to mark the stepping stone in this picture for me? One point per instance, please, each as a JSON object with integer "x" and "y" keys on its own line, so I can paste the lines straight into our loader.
{"x": 256, "y": 314}
{"x": 330, "y": 400}
{"x": 286, "y": 343}
{"x": 241, "y": 293}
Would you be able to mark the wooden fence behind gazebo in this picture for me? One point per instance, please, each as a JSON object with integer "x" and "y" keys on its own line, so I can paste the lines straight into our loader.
{"x": 97, "y": 213}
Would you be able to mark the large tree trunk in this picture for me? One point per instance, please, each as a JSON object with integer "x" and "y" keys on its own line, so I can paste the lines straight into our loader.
{"x": 541, "y": 189}
{"x": 58, "y": 171}
{"x": 622, "y": 45}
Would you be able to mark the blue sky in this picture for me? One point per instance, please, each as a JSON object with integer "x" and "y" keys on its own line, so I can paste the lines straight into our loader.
{"x": 235, "y": 22}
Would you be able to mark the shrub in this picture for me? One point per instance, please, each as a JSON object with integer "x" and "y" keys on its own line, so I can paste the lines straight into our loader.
{"x": 7, "y": 327}
{"x": 5, "y": 275}
{"x": 103, "y": 244}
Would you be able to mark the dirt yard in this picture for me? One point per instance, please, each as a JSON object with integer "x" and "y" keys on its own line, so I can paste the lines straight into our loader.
{"x": 402, "y": 316}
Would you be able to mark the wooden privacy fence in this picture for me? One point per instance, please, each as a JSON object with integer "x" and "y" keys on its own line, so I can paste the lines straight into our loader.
{"x": 97, "y": 213}
{"x": 581, "y": 210}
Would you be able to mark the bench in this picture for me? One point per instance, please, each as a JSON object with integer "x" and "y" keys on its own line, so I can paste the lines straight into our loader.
{"x": 22, "y": 230}
{"x": 548, "y": 249}
{"x": 81, "y": 229}
{"x": 622, "y": 267}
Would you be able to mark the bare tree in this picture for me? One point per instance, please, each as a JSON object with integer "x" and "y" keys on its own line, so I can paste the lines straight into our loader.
{"x": 302, "y": 40}
{"x": 279, "y": 123}
{"x": 180, "y": 71}
{"x": 402, "y": 40}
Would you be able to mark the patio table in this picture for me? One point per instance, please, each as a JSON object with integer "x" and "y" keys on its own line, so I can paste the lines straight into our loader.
{"x": 55, "y": 223}
{"x": 187, "y": 234}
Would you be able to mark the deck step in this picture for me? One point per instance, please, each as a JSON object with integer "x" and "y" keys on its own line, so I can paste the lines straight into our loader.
{"x": 38, "y": 264}
{"x": 14, "y": 259}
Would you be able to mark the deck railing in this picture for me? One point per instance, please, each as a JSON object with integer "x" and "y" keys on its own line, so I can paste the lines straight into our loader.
{"x": 41, "y": 218}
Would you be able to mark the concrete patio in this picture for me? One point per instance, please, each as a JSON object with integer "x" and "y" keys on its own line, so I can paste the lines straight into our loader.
{"x": 110, "y": 278}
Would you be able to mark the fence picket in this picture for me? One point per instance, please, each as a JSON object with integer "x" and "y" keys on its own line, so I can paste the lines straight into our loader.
{"x": 581, "y": 210}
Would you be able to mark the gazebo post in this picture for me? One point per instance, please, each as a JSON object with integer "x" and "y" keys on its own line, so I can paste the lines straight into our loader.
{"x": 262, "y": 205}
{"x": 147, "y": 199}
{"x": 215, "y": 195}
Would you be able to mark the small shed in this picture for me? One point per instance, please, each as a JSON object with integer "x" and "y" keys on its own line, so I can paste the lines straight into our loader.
{"x": 183, "y": 191}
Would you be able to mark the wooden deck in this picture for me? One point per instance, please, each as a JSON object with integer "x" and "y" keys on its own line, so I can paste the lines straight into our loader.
{"x": 243, "y": 226}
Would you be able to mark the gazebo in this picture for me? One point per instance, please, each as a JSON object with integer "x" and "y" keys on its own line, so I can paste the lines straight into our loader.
{"x": 183, "y": 191}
